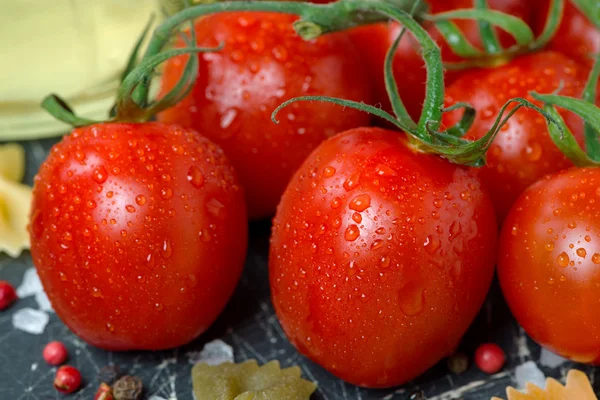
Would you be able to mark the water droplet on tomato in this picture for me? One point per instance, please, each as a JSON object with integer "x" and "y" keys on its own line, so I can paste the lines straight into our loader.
{"x": 549, "y": 246}
{"x": 140, "y": 200}
{"x": 110, "y": 327}
{"x": 412, "y": 300}
{"x": 352, "y": 233}
{"x": 572, "y": 225}
{"x": 129, "y": 208}
{"x": 336, "y": 202}
{"x": 214, "y": 207}
{"x": 328, "y": 172}
{"x": 166, "y": 193}
{"x": 455, "y": 229}
{"x": 581, "y": 252}
{"x": 380, "y": 231}
{"x": 596, "y": 258}
{"x": 385, "y": 261}
{"x": 432, "y": 244}
{"x": 533, "y": 152}
{"x": 377, "y": 243}
{"x": 158, "y": 306}
{"x": 356, "y": 217}
{"x": 195, "y": 177}
{"x": 384, "y": 170}
{"x": 100, "y": 175}
{"x": 588, "y": 238}
{"x": 563, "y": 259}
{"x": 167, "y": 249}
{"x": 205, "y": 235}
{"x": 351, "y": 182}
{"x": 228, "y": 117}
{"x": 96, "y": 292}
{"x": 360, "y": 203}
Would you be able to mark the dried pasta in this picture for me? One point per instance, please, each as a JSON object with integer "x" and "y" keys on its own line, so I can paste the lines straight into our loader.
{"x": 15, "y": 201}
{"x": 248, "y": 381}
{"x": 577, "y": 387}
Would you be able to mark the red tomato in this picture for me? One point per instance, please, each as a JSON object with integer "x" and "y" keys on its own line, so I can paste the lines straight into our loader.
{"x": 548, "y": 263}
{"x": 380, "y": 257}
{"x": 576, "y": 37}
{"x": 409, "y": 68}
{"x": 522, "y": 152}
{"x": 138, "y": 233}
{"x": 263, "y": 64}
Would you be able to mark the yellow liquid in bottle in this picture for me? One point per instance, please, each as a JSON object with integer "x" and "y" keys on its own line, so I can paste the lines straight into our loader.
{"x": 74, "y": 48}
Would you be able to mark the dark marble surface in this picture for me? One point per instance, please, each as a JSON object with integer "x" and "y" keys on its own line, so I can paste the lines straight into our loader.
{"x": 249, "y": 325}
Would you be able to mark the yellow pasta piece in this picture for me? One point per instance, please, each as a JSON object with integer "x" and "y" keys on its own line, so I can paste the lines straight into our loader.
{"x": 12, "y": 162}
{"x": 15, "y": 201}
{"x": 577, "y": 387}
{"x": 248, "y": 381}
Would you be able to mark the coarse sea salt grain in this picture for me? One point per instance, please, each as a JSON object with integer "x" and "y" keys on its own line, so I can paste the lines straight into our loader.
{"x": 551, "y": 360}
{"x": 30, "y": 320}
{"x": 529, "y": 372}
{"x": 31, "y": 284}
{"x": 43, "y": 302}
{"x": 214, "y": 353}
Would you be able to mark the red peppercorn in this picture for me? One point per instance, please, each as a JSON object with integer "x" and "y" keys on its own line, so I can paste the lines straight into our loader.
{"x": 7, "y": 295}
{"x": 55, "y": 353}
{"x": 67, "y": 379}
{"x": 104, "y": 392}
{"x": 489, "y": 357}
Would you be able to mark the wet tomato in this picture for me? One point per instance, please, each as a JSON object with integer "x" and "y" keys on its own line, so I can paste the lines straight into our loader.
{"x": 522, "y": 152}
{"x": 549, "y": 263}
{"x": 409, "y": 69}
{"x": 576, "y": 37}
{"x": 375, "y": 246}
{"x": 138, "y": 233}
{"x": 263, "y": 64}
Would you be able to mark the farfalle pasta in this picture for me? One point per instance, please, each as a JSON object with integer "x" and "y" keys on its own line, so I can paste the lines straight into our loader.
{"x": 248, "y": 381}
{"x": 15, "y": 201}
{"x": 577, "y": 387}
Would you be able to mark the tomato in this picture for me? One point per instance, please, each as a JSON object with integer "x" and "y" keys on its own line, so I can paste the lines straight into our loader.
{"x": 409, "y": 68}
{"x": 138, "y": 233}
{"x": 522, "y": 152}
{"x": 380, "y": 257}
{"x": 548, "y": 263}
{"x": 263, "y": 64}
{"x": 576, "y": 37}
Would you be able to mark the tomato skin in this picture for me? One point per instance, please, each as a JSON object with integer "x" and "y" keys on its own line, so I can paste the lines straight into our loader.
{"x": 380, "y": 257}
{"x": 523, "y": 151}
{"x": 263, "y": 64}
{"x": 576, "y": 37}
{"x": 374, "y": 40}
{"x": 138, "y": 233}
{"x": 548, "y": 263}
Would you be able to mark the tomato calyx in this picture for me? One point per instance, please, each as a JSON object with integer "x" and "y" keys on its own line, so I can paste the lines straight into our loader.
{"x": 493, "y": 54}
{"x": 590, "y": 9}
{"x": 585, "y": 108}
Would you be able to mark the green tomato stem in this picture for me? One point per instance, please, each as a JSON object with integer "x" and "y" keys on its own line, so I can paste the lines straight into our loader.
{"x": 591, "y": 9}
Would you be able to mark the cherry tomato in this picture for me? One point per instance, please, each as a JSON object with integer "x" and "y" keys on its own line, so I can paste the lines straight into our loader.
{"x": 409, "y": 68}
{"x": 576, "y": 37}
{"x": 263, "y": 64}
{"x": 138, "y": 233}
{"x": 548, "y": 263}
{"x": 522, "y": 152}
{"x": 375, "y": 246}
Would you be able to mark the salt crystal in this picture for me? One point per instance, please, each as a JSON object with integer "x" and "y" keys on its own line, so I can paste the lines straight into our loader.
{"x": 30, "y": 320}
{"x": 551, "y": 360}
{"x": 214, "y": 353}
{"x": 31, "y": 284}
{"x": 43, "y": 302}
{"x": 529, "y": 372}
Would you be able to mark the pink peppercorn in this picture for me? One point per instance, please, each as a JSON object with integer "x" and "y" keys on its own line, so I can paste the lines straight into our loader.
{"x": 7, "y": 295}
{"x": 55, "y": 353}
{"x": 67, "y": 379}
{"x": 489, "y": 358}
